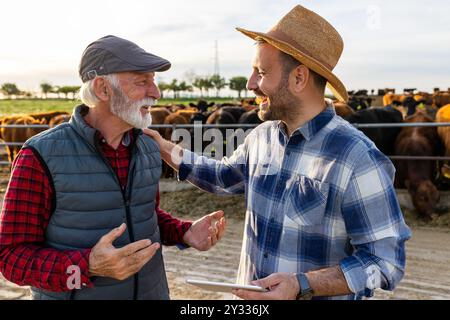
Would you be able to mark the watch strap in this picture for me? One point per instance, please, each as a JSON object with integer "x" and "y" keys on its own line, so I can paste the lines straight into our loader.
{"x": 306, "y": 291}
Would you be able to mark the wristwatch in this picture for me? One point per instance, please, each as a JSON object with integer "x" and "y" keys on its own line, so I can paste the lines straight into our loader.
{"x": 306, "y": 292}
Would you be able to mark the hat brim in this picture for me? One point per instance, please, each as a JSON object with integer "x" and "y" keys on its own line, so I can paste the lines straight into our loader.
{"x": 334, "y": 84}
{"x": 156, "y": 67}
{"x": 147, "y": 62}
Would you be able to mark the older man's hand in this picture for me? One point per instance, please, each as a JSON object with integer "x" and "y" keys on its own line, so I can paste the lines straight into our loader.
{"x": 205, "y": 233}
{"x": 107, "y": 261}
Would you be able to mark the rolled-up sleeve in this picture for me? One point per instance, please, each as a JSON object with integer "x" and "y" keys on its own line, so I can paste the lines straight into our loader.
{"x": 226, "y": 176}
{"x": 375, "y": 226}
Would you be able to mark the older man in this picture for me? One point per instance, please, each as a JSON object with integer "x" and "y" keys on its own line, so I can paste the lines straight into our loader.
{"x": 72, "y": 184}
{"x": 322, "y": 218}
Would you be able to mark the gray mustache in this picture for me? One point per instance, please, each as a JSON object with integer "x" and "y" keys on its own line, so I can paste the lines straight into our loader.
{"x": 146, "y": 102}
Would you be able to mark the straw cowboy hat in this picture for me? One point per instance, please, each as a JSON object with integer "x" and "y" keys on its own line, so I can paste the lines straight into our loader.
{"x": 310, "y": 39}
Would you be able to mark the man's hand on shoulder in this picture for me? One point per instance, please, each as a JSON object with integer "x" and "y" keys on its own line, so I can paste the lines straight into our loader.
{"x": 154, "y": 135}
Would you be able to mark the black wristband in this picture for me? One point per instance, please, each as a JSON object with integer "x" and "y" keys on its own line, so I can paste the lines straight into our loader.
{"x": 306, "y": 292}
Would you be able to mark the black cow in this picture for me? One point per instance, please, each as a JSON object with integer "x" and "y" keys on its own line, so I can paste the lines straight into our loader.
{"x": 410, "y": 103}
{"x": 235, "y": 111}
{"x": 384, "y": 138}
{"x": 250, "y": 117}
{"x": 359, "y": 102}
{"x": 201, "y": 105}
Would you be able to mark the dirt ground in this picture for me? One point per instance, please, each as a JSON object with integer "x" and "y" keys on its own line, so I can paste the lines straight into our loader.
{"x": 428, "y": 257}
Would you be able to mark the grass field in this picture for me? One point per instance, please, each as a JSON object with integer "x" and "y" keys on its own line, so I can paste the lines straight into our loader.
{"x": 10, "y": 107}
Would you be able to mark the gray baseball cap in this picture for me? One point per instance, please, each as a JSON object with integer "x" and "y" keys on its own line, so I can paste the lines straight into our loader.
{"x": 112, "y": 54}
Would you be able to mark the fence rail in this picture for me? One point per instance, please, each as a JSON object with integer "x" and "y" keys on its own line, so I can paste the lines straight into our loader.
{"x": 250, "y": 126}
{"x": 40, "y": 126}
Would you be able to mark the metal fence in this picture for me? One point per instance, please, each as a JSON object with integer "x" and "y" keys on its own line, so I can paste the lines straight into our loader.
{"x": 251, "y": 126}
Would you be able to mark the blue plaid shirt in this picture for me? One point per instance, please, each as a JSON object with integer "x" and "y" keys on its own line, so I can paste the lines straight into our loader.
{"x": 321, "y": 198}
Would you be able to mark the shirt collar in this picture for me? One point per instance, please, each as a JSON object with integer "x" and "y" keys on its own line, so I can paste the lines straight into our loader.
{"x": 312, "y": 127}
{"x": 127, "y": 139}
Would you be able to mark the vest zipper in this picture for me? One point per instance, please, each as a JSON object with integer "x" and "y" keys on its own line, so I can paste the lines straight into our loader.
{"x": 130, "y": 222}
{"x": 126, "y": 197}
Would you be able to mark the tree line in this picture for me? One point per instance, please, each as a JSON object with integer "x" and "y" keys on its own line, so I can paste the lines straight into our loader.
{"x": 11, "y": 90}
{"x": 204, "y": 84}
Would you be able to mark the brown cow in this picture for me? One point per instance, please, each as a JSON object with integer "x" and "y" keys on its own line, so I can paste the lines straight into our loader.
{"x": 443, "y": 115}
{"x": 19, "y": 135}
{"x": 47, "y": 115}
{"x": 187, "y": 113}
{"x": 441, "y": 99}
{"x": 159, "y": 115}
{"x": 342, "y": 109}
{"x": 58, "y": 120}
{"x": 249, "y": 104}
{"x": 424, "y": 97}
{"x": 175, "y": 107}
{"x": 389, "y": 98}
{"x": 417, "y": 175}
{"x": 174, "y": 118}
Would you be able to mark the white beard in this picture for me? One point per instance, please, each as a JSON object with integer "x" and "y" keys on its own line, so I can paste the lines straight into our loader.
{"x": 130, "y": 112}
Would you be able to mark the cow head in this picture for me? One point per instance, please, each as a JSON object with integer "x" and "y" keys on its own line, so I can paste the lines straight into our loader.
{"x": 425, "y": 197}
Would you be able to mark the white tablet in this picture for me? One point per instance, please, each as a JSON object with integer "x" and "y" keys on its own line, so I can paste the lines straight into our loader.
{"x": 223, "y": 287}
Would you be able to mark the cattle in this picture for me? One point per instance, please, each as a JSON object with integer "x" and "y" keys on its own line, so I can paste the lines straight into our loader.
{"x": 187, "y": 113}
{"x": 359, "y": 102}
{"x": 418, "y": 175}
{"x": 201, "y": 105}
{"x": 443, "y": 115}
{"x": 226, "y": 104}
{"x": 424, "y": 97}
{"x": 201, "y": 117}
{"x": 249, "y": 104}
{"x": 58, "y": 120}
{"x": 250, "y": 117}
{"x": 47, "y": 115}
{"x": 389, "y": 98}
{"x": 410, "y": 104}
{"x": 430, "y": 110}
{"x": 342, "y": 109}
{"x": 175, "y": 107}
{"x": 441, "y": 99}
{"x": 19, "y": 135}
{"x": 174, "y": 118}
{"x": 159, "y": 114}
{"x": 235, "y": 111}
{"x": 221, "y": 116}
{"x": 383, "y": 138}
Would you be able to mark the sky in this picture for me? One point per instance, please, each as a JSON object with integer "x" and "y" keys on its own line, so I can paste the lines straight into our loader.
{"x": 400, "y": 44}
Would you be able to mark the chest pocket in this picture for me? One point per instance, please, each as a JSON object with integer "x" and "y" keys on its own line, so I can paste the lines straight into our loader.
{"x": 308, "y": 198}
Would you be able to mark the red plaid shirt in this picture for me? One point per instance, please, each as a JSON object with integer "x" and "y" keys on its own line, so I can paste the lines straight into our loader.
{"x": 26, "y": 213}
